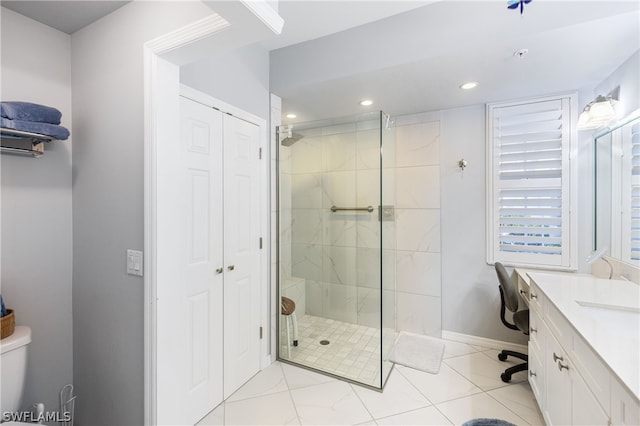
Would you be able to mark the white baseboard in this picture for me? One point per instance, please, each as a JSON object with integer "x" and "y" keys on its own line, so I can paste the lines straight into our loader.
{"x": 483, "y": 341}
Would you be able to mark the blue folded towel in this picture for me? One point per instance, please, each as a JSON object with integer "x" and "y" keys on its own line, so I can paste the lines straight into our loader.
{"x": 3, "y": 309}
{"x": 27, "y": 111}
{"x": 47, "y": 129}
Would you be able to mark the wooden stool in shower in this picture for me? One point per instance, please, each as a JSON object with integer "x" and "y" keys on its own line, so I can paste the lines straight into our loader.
{"x": 288, "y": 309}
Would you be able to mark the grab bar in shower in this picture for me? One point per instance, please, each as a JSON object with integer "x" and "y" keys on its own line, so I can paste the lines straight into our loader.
{"x": 358, "y": 209}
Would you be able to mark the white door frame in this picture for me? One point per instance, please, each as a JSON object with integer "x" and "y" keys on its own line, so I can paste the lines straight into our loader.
{"x": 161, "y": 100}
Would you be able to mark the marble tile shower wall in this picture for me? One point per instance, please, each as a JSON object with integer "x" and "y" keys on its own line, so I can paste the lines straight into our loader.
{"x": 418, "y": 273}
{"x": 338, "y": 253}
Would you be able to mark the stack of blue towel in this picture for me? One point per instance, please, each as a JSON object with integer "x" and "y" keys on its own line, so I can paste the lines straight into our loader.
{"x": 3, "y": 309}
{"x": 33, "y": 118}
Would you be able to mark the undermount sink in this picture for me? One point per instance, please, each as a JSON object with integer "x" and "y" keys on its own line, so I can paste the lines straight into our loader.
{"x": 623, "y": 321}
{"x": 604, "y": 306}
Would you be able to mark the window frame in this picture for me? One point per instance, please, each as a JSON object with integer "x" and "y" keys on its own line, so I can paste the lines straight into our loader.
{"x": 567, "y": 261}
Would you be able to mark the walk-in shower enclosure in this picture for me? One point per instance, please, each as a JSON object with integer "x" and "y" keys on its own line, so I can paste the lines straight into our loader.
{"x": 336, "y": 247}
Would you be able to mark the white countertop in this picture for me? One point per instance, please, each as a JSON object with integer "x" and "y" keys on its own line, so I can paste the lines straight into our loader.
{"x": 606, "y": 313}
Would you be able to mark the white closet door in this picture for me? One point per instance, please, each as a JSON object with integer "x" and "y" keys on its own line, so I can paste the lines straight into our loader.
{"x": 241, "y": 252}
{"x": 198, "y": 309}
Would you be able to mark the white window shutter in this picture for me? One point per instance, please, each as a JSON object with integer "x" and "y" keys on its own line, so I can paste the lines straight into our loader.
{"x": 529, "y": 180}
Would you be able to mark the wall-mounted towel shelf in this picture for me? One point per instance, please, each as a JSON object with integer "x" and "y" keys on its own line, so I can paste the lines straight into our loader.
{"x": 23, "y": 143}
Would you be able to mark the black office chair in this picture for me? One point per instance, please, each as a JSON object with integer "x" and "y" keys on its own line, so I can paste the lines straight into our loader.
{"x": 509, "y": 300}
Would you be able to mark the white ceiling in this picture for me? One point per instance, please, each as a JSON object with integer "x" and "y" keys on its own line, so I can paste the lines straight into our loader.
{"x": 415, "y": 61}
{"x": 572, "y": 45}
{"x": 66, "y": 16}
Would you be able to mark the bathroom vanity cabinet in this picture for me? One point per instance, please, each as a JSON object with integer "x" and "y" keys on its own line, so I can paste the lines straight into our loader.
{"x": 583, "y": 349}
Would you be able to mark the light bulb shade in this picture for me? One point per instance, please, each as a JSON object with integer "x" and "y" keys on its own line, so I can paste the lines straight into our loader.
{"x": 596, "y": 114}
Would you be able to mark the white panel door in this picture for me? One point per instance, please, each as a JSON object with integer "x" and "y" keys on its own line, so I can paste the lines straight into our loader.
{"x": 241, "y": 252}
{"x": 198, "y": 310}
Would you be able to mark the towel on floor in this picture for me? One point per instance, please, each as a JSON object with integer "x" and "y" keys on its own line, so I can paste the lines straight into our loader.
{"x": 27, "y": 111}
{"x": 47, "y": 129}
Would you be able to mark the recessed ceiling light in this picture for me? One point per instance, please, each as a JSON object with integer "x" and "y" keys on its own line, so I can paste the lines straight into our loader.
{"x": 469, "y": 85}
{"x": 291, "y": 115}
{"x": 366, "y": 102}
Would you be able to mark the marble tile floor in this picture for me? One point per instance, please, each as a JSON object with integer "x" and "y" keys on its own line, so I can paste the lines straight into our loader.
{"x": 467, "y": 386}
{"x": 353, "y": 350}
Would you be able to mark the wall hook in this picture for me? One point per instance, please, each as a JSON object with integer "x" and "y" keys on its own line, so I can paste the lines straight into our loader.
{"x": 462, "y": 163}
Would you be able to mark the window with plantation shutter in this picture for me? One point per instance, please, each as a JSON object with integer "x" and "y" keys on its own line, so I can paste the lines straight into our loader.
{"x": 529, "y": 181}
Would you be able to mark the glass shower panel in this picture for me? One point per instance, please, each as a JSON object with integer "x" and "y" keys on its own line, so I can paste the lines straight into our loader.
{"x": 331, "y": 258}
{"x": 387, "y": 241}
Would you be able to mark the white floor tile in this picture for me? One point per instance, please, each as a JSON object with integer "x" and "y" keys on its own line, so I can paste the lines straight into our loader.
{"x": 480, "y": 370}
{"x": 421, "y": 416}
{"x": 518, "y": 377}
{"x": 477, "y": 406}
{"x": 399, "y": 396}
{"x": 444, "y": 386}
{"x": 333, "y": 403}
{"x": 268, "y": 381}
{"x": 273, "y": 409}
{"x": 214, "y": 418}
{"x": 521, "y": 401}
{"x": 299, "y": 377}
{"x": 452, "y": 349}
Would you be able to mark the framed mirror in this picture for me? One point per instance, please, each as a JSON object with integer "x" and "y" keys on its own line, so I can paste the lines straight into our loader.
{"x": 617, "y": 191}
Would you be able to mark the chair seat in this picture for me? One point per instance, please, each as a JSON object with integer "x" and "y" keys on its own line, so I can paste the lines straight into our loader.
{"x": 521, "y": 320}
{"x": 288, "y": 306}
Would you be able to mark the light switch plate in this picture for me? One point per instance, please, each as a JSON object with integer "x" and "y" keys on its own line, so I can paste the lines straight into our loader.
{"x": 134, "y": 262}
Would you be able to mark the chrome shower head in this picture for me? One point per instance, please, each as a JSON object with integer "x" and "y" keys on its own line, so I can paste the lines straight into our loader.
{"x": 286, "y": 135}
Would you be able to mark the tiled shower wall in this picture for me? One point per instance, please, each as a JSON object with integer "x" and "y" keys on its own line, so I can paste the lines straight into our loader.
{"x": 418, "y": 276}
{"x": 337, "y": 253}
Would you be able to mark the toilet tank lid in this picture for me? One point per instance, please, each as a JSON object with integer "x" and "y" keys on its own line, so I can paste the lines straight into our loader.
{"x": 20, "y": 337}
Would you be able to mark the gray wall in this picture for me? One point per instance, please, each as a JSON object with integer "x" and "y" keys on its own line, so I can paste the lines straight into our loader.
{"x": 36, "y": 208}
{"x": 470, "y": 297}
{"x": 239, "y": 77}
{"x": 108, "y": 110}
{"x": 627, "y": 76}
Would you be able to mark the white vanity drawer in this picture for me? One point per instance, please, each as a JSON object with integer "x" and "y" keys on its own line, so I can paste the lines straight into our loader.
{"x": 536, "y": 297}
{"x": 536, "y": 372}
{"x": 535, "y": 332}
{"x": 558, "y": 324}
{"x": 625, "y": 408}
{"x": 592, "y": 370}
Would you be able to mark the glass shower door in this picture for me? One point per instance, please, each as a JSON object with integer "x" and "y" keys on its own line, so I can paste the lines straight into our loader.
{"x": 387, "y": 243}
{"x": 333, "y": 248}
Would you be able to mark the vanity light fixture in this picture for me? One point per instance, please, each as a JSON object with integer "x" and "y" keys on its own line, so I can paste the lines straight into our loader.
{"x": 291, "y": 115}
{"x": 469, "y": 85}
{"x": 599, "y": 112}
{"x": 366, "y": 102}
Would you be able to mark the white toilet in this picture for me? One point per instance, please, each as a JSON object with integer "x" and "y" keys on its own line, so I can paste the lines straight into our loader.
{"x": 14, "y": 368}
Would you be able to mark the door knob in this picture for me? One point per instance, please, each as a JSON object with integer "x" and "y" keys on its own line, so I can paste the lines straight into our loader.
{"x": 231, "y": 267}
{"x": 219, "y": 270}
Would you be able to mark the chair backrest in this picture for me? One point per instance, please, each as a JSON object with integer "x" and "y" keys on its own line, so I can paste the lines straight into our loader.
{"x": 509, "y": 292}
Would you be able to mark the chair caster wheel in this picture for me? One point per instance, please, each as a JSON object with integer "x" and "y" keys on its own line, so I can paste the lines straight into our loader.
{"x": 505, "y": 377}
{"x": 295, "y": 343}
{"x": 502, "y": 357}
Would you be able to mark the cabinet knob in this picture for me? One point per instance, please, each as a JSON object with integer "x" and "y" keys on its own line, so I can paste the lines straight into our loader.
{"x": 533, "y": 296}
{"x": 219, "y": 270}
{"x": 231, "y": 267}
{"x": 561, "y": 366}
{"x": 533, "y": 330}
{"x": 532, "y": 374}
{"x": 557, "y": 358}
